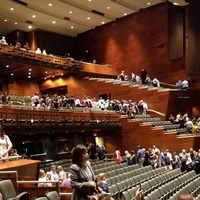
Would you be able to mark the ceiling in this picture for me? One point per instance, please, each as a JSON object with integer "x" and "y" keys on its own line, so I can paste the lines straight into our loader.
{"x": 67, "y": 17}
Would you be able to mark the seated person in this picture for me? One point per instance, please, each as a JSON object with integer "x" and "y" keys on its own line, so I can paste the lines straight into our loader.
{"x": 43, "y": 178}
{"x": 102, "y": 183}
{"x": 156, "y": 82}
{"x": 179, "y": 85}
{"x": 185, "y": 84}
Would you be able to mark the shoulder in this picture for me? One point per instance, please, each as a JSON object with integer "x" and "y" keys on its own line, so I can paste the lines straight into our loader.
{"x": 74, "y": 167}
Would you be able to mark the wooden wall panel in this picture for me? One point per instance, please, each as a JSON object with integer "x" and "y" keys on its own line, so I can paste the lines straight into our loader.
{"x": 22, "y": 87}
{"x": 134, "y": 42}
{"x": 134, "y": 134}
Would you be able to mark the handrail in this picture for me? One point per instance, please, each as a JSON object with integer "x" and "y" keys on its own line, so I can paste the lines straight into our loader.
{"x": 154, "y": 111}
{"x": 10, "y": 158}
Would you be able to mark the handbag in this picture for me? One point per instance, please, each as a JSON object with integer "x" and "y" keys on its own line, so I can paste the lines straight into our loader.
{"x": 96, "y": 195}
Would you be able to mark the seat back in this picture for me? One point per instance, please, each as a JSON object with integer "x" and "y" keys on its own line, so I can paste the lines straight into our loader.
{"x": 7, "y": 189}
{"x": 53, "y": 195}
{"x": 41, "y": 198}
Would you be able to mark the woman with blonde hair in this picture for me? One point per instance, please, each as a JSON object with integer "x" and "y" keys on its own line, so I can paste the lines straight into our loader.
{"x": 61, "y": 174}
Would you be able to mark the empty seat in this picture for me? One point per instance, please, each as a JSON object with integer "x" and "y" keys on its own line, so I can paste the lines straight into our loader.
{"x": 8, "y": 191}
{"x": 53, "y": 195}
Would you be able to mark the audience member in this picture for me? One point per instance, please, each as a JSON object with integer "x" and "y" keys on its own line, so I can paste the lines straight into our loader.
{"x": 83, "y": 180}
{"x": 102, "y": 183}
{"x": 5, "y": 144}
{"x": 54, "y": 175}
{"x": 156, "y": 82}
{"x": 140, "y": 156}
{"x": 128, "y": 157}
{"x": 43, "y": 179}
{"x": 61, "y": 173}
{"x": 179, "y": 85}
{"x": 185, "y": 84}
{"x": 118, "y": 158}
{"x": 147, "y": 80}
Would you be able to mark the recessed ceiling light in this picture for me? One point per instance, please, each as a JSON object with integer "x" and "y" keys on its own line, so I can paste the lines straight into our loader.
{"x": 176, "y": 4}
{"x": 102, "y": 22}
{"x": 11, "y": 8}
{"x": 12, "y": 74}
{"x": 5, "y": 20}
{"x": 61, "y": 74}
{"x": 29, "y": 27}
{"x": 7, "y": 66}
{"x": 50, "y": 4}
{"x": 46, "y": 72}
{"x": 125, "y": 14}
{"x": 15, "y": 23}
{"x": 29, "y": 76}
{"x": 148, "y": 3}
{"x": 72, "y": 27}
{"x": 53, "y": 22}
{"x": 88, "y": 18}
{"x": 70, "y": 12}
{"x": 89, "y": 0}
{"x": 33, "y": 16}
{"x": 29, "y": 73}
{"x": 108, "y": 7}
{"x": 30, "y": 70}
{"x": 45, "y": 78}
{"x": 53, "y": 76}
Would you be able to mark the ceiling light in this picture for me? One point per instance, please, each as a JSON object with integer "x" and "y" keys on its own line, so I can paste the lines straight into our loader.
{"x": 15, "y": 23}
{"x": 7, "y": 66}
{"x": 45, "y": 78}
{"x": 50, "y": 4}
{"x": 53, "y": 76}
{"x": 72, "y": 27}
{"x": 30, "y": 70}
{"x": 61, "y": 74}
{"x": 46, "y": 72}
{"x": 88, "y": 18}
{"x": 5, "y": 20}
{"x": 29, "y": 76}
{"x": 11, "y": 8}
{"x": 12, "y": 74}
{"x": 89, "y": 0}
{"x": 70, "y": 12}
{"x": 176, "y": 4}
{"x": 29, "y": 27}
{"x": 33, "y": 16}
{"x": 53, "y": 22}
{"x": 102, "y": 22}
{"x": 148, "y": 3}
{"x": 108, "y": 7}
{"x": 29, "y": 73}
{"x": 125, "y": 14}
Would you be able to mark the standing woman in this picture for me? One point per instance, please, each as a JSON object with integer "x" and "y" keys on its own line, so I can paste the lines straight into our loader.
{"x": 118, "y": 158}
{"x": 83, "y": 180}
{"x": 5, "y": 144}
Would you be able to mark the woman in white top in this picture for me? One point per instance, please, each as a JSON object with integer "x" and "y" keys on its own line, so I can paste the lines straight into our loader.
{"x": 5, "y": 144}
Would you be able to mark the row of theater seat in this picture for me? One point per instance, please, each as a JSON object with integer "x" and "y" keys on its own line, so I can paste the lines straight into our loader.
{"x": 162, "y": 186}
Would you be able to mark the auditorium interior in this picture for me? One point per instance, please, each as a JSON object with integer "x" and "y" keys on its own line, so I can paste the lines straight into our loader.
{"x": 162, "y": 39}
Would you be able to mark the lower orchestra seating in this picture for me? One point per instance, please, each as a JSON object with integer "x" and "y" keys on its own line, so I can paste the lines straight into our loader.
{"x": 123, "y": 181}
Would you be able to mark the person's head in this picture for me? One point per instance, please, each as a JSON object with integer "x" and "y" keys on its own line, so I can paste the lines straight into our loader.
{"x": 101, "y": 176}
{"x": 41, "y": 173}
{"x": 53, "y": 168}
{"x": 79, "y": 155}
{"x": 48, "y": 175}
{"x": 105, "y": 196}
{"x": 186, "y": 196}
{"x": 60, "y": 168}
